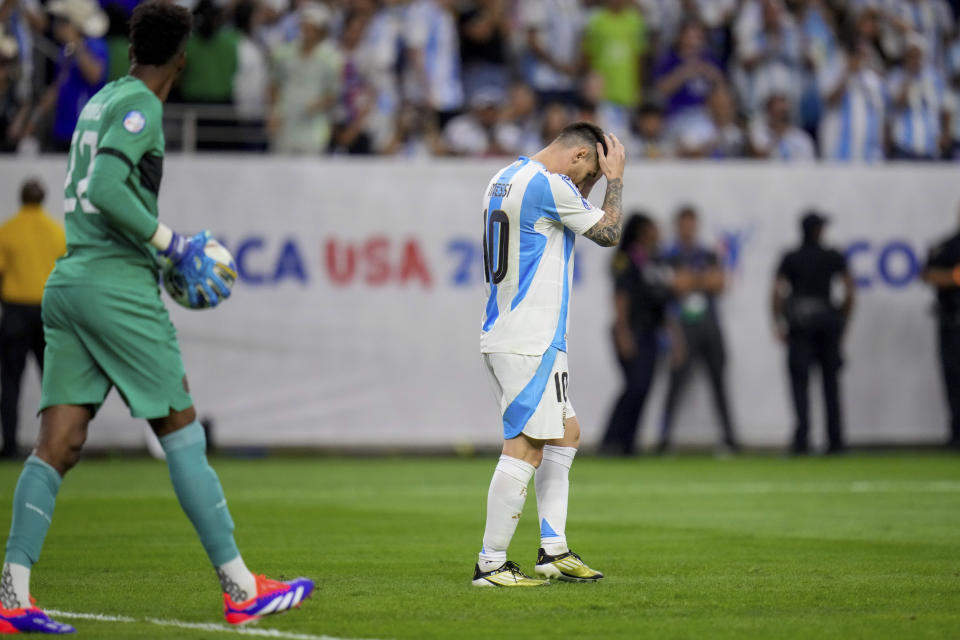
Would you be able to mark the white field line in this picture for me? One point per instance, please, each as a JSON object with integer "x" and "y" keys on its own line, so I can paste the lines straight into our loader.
{"x": 198, "y": 626}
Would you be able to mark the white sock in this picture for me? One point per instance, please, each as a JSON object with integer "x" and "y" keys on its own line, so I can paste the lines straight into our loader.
{"x": 553, "y": 491}
{"x": 508, "y": 492}
{"x": 15, "y": 586}
{"x": 236, "y": 580}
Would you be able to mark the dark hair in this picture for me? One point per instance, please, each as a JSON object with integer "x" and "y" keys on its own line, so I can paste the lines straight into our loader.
{"x": 32, "y": 192}
{"x": 686, "y": 211}
{"x": 582, "y": 132}
{"x": 243, "y": 16}
{"x": 158, "y": 32}
{"x": 636, "y": 226}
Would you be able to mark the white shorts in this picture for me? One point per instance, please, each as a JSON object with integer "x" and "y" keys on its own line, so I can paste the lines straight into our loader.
{"x": 532, "y": 393}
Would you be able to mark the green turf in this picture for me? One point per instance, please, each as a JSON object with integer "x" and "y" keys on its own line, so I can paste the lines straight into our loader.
{"x": 857, "y": 547}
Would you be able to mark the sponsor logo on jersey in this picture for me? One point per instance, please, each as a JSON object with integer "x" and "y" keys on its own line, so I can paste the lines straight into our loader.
{"x": 134, "y": 122}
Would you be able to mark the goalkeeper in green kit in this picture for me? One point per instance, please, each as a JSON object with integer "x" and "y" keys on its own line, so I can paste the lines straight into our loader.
{"x": 106, "y": 326}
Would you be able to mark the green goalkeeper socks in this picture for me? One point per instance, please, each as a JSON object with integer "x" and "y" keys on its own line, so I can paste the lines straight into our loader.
{"x": 33, "y": 502}
{"x": 199, "y": 491}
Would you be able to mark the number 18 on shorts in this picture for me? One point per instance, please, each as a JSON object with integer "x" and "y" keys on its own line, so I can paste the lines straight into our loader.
{"x": 532, "y": 392}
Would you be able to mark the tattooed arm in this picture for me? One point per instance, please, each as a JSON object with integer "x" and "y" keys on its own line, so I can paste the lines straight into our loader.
{"x": 606, "y": 232}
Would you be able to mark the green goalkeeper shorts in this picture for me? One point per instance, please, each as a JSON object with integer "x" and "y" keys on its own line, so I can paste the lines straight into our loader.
{"x": 98, "y": 338}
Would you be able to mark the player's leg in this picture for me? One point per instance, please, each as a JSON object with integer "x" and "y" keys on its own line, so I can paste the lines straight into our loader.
{"x": 505, "y": 499}
{"x": 519, "y": 383}
{"x": 63, "y": 430}
{"x": 246, "y": 597}
{"x": 555, "y": 559}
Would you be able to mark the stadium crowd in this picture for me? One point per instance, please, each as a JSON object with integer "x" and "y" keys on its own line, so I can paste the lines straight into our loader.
{"x": 787, "y": 80}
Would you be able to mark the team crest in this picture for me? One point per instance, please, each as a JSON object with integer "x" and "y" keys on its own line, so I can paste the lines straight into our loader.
{"x": 134, "y": 122}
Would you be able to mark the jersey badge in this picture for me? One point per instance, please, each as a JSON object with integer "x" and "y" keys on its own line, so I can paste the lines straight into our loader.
{"x": 134, "y": 122}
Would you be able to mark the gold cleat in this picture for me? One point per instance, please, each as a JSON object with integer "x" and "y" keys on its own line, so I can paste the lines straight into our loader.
{"x": 566, "y": 566}
{"x": 506, "y": 575}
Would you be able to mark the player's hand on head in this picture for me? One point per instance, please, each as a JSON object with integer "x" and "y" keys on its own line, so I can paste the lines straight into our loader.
{"x": 613, "y": 161}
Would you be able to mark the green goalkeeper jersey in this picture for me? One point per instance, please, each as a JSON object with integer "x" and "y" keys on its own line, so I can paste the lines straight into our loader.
{"x": 110, "y": 197}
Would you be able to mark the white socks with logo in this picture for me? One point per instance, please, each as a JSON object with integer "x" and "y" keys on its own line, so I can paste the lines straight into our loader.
{"x": 508, "y": 492}
{"x": 553, "y": 490}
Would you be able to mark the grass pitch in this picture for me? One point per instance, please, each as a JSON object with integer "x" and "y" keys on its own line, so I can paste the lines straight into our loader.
{"x": 856, "y": 547}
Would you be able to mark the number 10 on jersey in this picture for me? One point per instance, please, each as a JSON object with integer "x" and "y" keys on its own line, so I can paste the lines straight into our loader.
{"x": 496, "y": 237}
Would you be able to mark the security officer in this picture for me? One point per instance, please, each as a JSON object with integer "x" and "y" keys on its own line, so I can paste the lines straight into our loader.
{"x": 942, "y": 272}
{"x": 30, "y": 243}
{"x": 813, "y": 326}
{"x": 700, "y": 336}
{"x": 643, "y": 286}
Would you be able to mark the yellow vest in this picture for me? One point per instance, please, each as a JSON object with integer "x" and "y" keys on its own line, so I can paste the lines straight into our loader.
{"x": 30, "y": 243}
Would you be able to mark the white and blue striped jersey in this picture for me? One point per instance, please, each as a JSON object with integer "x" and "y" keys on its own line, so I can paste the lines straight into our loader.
{"x": 531, "y": 219}
{"x": 852, "y": 129}
{"x": 916, "y": 125}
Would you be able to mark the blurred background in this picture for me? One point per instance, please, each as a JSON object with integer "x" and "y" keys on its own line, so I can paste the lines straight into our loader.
{"x": 340, "y": 150}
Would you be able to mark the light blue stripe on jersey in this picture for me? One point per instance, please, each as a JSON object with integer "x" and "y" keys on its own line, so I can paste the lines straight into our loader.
{"x": 532, "y": 243}
{"x": 493, "y": 312}
{"x": 560, "y": 337}
{"x": 846, "y": 128}
{"x": 873, "y": 151}
{"x": 523, "y": 407}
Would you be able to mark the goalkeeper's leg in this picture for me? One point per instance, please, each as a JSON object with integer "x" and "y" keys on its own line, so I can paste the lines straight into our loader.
{"x": 246, "y": 597}
{"x": 63, "y": 430}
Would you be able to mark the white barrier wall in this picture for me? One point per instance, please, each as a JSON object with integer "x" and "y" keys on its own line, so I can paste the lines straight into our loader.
{"x": 356, "y": 321}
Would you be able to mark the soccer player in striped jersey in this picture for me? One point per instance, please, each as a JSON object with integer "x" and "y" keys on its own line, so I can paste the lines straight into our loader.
{"x": 106, "y": 326}
{"x": 533, "y": 211}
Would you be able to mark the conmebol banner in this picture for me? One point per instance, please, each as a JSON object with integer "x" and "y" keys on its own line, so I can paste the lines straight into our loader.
{"x": 356, "y": 319}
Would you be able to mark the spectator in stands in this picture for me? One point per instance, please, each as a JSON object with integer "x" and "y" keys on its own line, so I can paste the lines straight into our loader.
{"x": 774, "y": 136}
{"x": 615, "y": 44}
{"x": 687, "y": 75}
{"x": 521, "y": 115}
{"x": 931, "y": 19}
{"x": 556, "y": 115}
{"x": 768, "y": 56}
{"x": 853, "y": 92}
{"x": 357, "y": 94}
{"x": 306, "y": 83}
{"x": 78, "y": 25}
{"x": 716, "y": 134}
{"x": 118, "y": 40}
{"x": 953, "y": 71}
{"x": 649, "y": 139}
{"x": 416, "y": 134}
{"x": 11, "y": 109}
{"x": 484, "y": 33}
{"x": 433, "y": 50}
{"x": 480, "y": 131}
{"x": 252, "y": 79}
{"x": 211, "y": 58}
{"x": 921, "y": 107}
{"x": 22, "y": 20}
{"x": 554, "y": 32}
{"x": 817, "y": 31}
{"x": 379, "y": 53}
